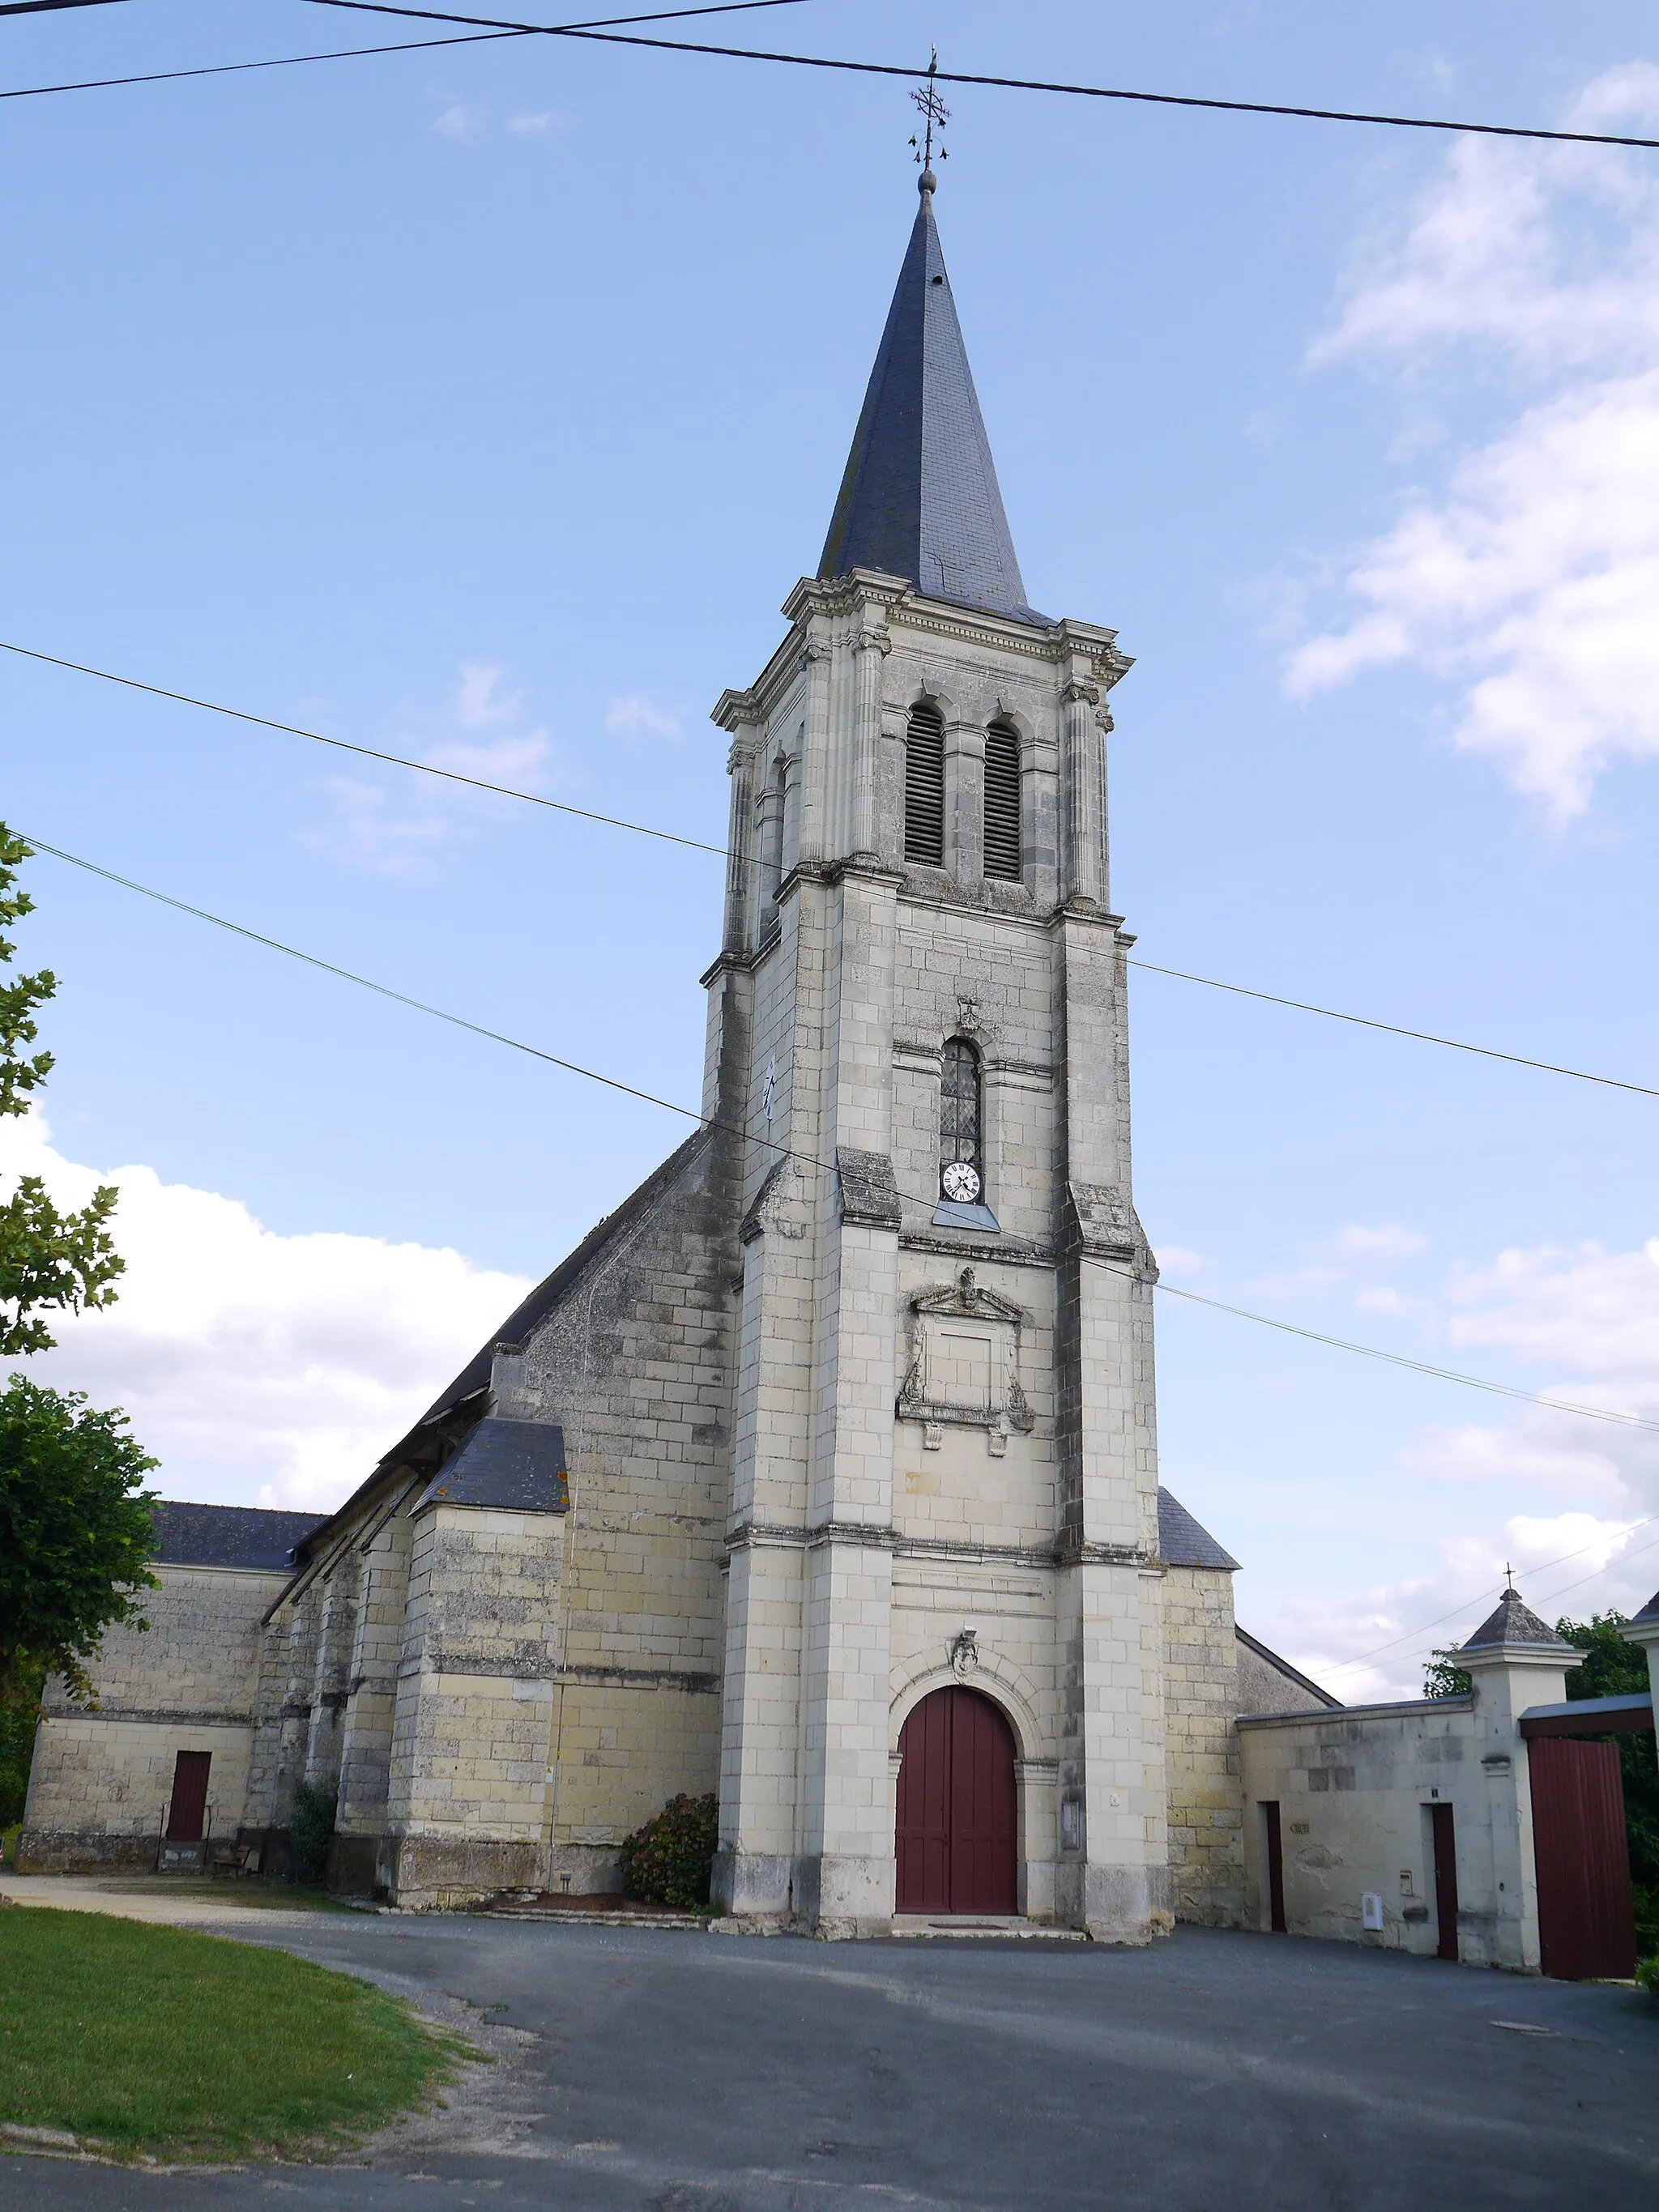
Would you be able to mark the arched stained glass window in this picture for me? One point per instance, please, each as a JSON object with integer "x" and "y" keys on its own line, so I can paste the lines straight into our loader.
{"x": 924, "y": 787}
{"x": 961, "y": 1162}
{"x": 1002, "y": 839}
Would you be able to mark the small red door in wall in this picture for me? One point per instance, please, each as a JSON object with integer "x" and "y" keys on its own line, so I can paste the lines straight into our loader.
{"x": 956, "y": 1816}
{"x": 189, "y": 1806}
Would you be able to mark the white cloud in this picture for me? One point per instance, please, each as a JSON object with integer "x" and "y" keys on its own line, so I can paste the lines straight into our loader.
{"x": 258, "y": 1369}
{"x": 462, "y": 121}
{"x": 528, "y": 124}
{"x": 637, "y": 716}
{"x": 1373, "y": 1644}
{"x": 1529, "y": 581}
{"x": 1388, "y": 1240}
{"x": 395, "y": 827}
{"x": 1175, "y": 1260}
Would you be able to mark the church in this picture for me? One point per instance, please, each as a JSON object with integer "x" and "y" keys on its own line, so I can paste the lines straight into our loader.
{"x": 823, "y": 1475}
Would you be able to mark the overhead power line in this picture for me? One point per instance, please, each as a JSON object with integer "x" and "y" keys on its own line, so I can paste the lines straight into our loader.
{"x": 722, "y": 852}
{"x": 1395, "y": 1029}
{"x": 366, "y": 752}
{"x": 352, "y": 53}
{"x": 784, "y": 1151}
{"x": 48, "y": 7}
{"x": 1001, "y": 84}
{"x": 1412, "y": 1635}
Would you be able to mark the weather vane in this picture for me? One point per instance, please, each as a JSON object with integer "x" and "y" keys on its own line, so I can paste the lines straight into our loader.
{"x": 934, "y": 110}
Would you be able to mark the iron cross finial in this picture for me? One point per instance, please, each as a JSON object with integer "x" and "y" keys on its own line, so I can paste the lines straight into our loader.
{"x": 1509, "y": 1576}
{"x": 934, "y": 110}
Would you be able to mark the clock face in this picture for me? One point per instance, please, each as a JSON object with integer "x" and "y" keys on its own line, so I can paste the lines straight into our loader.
{"x": 960, "y": 1181}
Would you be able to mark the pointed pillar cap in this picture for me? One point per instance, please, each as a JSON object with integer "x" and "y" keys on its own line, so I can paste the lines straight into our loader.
{"x": 1515, "y": 1631}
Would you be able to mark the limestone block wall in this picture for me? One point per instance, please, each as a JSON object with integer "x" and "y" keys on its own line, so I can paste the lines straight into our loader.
{"x": 101, "y": 1779}
{"x": 1354, "y": 1787}
{"x": 636, "y": 1363}
{"x": 475, "y": 1687}
{"x": 1200, "y": 1699}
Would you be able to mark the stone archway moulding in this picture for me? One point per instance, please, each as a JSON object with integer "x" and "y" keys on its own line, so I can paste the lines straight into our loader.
{"x": 993, "y": 1679}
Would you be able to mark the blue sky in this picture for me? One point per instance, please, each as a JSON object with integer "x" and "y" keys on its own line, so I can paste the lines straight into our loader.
{"x": 486, "y": 405}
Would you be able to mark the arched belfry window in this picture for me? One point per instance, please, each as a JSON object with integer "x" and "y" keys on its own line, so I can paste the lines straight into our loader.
{"x": 923, "y": 785}
{"x": 1002, "y": 843}
{"x": 960, "y": 1160}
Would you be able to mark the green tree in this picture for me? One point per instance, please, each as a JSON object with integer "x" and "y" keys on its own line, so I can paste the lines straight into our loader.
{"x": 48, "y": 1258}
{"x": 1443, "y": 1678}
{"x": 1613, "y": 1669}
{"x": 75, "y": 1530}
{"x": 75, "y": 1534}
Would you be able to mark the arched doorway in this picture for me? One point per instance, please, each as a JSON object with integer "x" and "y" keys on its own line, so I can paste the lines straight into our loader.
{"x": 957, "y": 1809}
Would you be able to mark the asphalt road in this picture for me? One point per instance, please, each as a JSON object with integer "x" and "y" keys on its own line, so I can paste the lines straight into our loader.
{"x": 1212, "y": 2073}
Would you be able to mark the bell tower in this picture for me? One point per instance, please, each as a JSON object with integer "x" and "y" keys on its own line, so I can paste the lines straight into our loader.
{"x": 944, "y": 1457}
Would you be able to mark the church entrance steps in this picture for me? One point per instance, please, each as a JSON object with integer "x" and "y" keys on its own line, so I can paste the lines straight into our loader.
{"x": 602, "y": 1910}
{"x": 979, "y": 1925}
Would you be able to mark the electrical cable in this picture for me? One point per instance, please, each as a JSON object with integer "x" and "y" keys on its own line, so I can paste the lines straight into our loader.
{"x": 1395, "y": 1028}
{"x": 1336, "y": 1665}
{"x": 48, "y": 7}
{"x": 1419, "y": 1366}
{"x": 784, "y": 1151}
{"x": 349, "y": 53}
{"x": 367, "y": 752}
{"x": 1002, "y": 84}
{"x": 724, "y": 853}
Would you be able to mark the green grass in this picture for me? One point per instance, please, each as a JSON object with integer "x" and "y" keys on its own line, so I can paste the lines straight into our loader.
{"x": 154, "y": 2040}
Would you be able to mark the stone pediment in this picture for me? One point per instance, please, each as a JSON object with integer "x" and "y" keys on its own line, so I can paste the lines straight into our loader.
{"x": 964, "y": 1366}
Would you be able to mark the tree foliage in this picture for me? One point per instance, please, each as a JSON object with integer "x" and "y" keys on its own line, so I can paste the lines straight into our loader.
{"x": 48, "y": 1258}
{"x": 75, "y": 1533}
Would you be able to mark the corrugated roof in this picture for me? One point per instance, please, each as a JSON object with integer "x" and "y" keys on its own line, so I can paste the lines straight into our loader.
{"x": 247, "y": 1536}
{"x": 1183, "y": 1543}
{"x": 920, "y": 497}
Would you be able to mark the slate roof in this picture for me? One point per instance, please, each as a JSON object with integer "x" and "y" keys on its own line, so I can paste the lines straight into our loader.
{"x": 920, "y": 498}
{"x": 1183, "y": 1543}
{"x": 1650, "y": 1610}
{"x": 1514, "y": 1625}
{"x": 245, "y": 1536}
{"x": 516, "y": 1466}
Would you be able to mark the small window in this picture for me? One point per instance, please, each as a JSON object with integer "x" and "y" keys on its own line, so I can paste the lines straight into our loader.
{"x": 924, "y": 787}
{"x": 1002, "y": 849}
{"x": 961, "y": 1168}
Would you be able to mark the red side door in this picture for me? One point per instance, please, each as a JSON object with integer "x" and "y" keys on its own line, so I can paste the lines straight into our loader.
{"x": 1586, "y": 1923}
{"x": 189, "y": 1806}
{"x": 957, "y": 1842}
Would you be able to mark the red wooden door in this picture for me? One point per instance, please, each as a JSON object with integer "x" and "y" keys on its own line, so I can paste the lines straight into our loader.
{"x": 1443, "y": 1822}
{"x": 1585, "y": 1922}
{"x": 189, "y": 1806}
{"x": 1276, "y": 1919}
{"x": 957, "y": 1807}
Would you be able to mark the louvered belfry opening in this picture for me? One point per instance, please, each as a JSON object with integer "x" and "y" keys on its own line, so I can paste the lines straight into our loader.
{"x": 1002, "y": 848}
{"x": 924, "y": 787}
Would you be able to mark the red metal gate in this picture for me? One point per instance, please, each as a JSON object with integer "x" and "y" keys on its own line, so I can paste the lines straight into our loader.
{"x": 1585, "y": 1923}
{"x": 957, "y": 1807}
{"x": 189, "y": 1805}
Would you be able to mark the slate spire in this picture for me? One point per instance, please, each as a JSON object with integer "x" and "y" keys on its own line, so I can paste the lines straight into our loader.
{"x": 920, "y": 496}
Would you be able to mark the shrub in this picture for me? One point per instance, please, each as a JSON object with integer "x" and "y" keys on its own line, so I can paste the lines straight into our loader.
{"x": 1647, "y": 1976}
{"x": 669, "y": 1860}
{"x": 311, "y": 1829}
